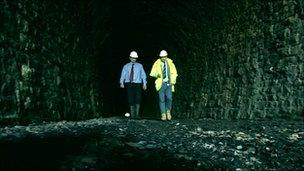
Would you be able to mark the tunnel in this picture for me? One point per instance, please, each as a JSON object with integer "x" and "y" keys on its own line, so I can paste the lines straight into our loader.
{"x": 146, "y": 28}
{"x": 133, "y": 28}
{"x": 238, "y": 59}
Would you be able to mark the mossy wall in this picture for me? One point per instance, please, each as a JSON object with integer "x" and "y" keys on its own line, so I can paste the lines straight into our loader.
{"x": 248, "y": 65}
{"x": 46, "y": 61}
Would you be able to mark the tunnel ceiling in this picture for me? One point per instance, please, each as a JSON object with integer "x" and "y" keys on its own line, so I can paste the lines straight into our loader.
{"x": 158, "y": 23}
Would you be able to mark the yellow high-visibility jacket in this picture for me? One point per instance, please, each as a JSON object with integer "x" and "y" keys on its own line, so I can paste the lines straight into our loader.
{"x": 156, "y": 72}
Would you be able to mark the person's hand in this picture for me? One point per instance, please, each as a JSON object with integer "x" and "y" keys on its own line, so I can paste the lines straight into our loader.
{"x": 145, "y": 87}
{"x": 122, "y": 86}
{"x": 166, "y": 79}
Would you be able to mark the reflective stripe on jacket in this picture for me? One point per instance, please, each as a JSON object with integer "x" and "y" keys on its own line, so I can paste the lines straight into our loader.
{"x": 156, "y": 72}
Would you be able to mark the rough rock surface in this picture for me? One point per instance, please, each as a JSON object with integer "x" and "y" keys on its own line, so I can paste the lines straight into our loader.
{"x": 123, "y": 144}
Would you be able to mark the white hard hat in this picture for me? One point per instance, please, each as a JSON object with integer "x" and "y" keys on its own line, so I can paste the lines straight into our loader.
{"x": 163, "y": 53}
{"x": 133, "y": 54}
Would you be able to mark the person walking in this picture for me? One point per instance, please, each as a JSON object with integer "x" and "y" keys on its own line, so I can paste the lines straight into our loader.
{"x": 165, "y": 73}
{"x": 133, "y": 78}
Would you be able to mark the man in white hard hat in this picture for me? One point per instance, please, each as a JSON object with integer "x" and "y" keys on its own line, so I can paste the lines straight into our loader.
{"x": 165, "y": 73}
{"x": 133, "y": 77}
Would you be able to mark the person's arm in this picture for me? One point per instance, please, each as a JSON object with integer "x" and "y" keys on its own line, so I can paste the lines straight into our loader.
{"x": 144, "y": 78}
{"x": 122, "y": 77}
{"x": 174, "y": 73}
{"x": 143, "y": 75}
{"x": 153, "y": 72}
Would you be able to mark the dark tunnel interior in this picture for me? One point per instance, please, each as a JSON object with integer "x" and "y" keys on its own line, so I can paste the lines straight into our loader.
{"x": 135, "y": 25}
{"x": 148, "y": 27}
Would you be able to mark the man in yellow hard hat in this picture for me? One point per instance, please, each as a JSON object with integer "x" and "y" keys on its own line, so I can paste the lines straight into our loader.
{"x": 165, "y": 73}
{"x": 133, "y": 77}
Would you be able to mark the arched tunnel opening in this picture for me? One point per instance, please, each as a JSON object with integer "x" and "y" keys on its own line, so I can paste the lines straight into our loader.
{"x": 235, "y": 60}
{"x": 134, "y": 26}
{"x": 131, "y": 30}
{"x": 148, "y": 28}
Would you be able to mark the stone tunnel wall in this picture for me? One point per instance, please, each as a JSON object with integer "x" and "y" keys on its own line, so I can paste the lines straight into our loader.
{"x": 45, "y": 71}
{"x": 242, "y": 59}
{"x": 250, "y": 67}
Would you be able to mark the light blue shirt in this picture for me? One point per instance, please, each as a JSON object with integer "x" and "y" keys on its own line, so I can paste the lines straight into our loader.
{"x": 139, "y": 74}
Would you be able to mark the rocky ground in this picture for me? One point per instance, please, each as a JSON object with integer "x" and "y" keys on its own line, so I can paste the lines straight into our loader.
{"x": 126, "y": 144}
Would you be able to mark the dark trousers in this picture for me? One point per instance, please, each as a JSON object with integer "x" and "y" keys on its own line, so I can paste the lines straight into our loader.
{"x": 134, "y": 93}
